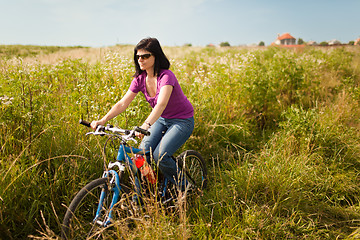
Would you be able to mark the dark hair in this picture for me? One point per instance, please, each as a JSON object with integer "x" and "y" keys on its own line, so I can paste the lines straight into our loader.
{"x": 151, "y": 45}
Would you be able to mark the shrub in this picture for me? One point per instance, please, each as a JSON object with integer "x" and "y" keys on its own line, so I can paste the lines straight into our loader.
{"x": 224, "y": 44}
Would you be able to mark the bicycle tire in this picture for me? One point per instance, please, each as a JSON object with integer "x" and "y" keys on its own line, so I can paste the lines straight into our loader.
{"x": 194, "y": 166}
{"x": 78, "y": 220}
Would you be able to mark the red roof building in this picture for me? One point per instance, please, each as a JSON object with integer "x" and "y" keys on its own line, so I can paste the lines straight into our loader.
{"x": 285, "y": 39}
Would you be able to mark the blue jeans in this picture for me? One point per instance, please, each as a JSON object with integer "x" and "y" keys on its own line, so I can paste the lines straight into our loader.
{"x": 167, "y": 136}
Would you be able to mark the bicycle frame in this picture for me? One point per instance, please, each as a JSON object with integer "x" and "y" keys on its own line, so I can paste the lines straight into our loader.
{"x": 123, "y": 158}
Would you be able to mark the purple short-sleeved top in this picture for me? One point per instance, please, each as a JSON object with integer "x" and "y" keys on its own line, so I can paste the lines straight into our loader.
{"x": 178, "y": 106}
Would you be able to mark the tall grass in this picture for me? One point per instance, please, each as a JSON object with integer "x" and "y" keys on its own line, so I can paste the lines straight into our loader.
{"x": 279, "y": 129}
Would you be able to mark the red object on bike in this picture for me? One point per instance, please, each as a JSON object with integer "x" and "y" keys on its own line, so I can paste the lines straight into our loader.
{"x": 139, "y": 161}
{"x": 145, "y": 168}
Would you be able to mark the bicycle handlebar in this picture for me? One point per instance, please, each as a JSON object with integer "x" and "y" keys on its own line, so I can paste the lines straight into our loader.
{"x": 142, "y": 131}
{"x": 85, "y": 123}
{"x": 111, "y": 128}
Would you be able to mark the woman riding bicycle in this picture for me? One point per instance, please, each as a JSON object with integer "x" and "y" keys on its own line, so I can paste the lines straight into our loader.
{"x": 171, "y": 121}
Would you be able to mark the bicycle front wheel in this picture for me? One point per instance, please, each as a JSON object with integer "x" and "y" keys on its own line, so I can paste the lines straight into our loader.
{"x": 79, "y": 221}
{"x": 194, "y": 167}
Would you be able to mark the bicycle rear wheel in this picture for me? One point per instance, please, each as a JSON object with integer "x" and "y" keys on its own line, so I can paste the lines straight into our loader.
{"x": 194, "y": 167}
{"x": 79, "y": 221}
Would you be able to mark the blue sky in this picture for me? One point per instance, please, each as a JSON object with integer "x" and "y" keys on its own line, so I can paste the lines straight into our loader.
{"x": 100, "y": 23}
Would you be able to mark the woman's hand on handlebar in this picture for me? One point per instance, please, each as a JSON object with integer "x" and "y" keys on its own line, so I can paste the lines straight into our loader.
{"x": 145, "y": 127}
{"x": 94, "y": 124}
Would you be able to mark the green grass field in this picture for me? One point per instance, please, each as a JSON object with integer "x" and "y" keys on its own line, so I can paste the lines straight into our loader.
{"x": 279, "y": 129}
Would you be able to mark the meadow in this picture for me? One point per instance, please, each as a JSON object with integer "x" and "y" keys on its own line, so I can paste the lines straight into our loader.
{"x": 279, "y": 129}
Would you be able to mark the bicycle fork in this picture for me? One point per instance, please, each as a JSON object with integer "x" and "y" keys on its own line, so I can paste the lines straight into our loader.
{"x": 115, "y": 182}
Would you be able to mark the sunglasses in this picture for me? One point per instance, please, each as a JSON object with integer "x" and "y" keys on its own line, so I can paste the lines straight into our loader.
{"x": 143, "y": 56}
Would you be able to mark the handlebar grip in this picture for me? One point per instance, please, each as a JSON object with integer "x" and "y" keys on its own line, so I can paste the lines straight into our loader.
{"x": 85, "y": 123}
{"x": 142, "y": 131}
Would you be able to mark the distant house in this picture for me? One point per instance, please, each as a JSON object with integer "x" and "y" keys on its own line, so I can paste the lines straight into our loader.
{"x": 334, "y": 42}
{"x": 285, "y": 39}
{"x": 312, "y": 43}
{"x": 357, "y": 42}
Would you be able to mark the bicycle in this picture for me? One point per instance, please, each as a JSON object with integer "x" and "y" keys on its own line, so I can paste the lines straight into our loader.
{"x": 96, "y": 206}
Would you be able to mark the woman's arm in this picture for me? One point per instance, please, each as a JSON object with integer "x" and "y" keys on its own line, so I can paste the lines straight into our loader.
{"x": 118, "y": 108}
{"x": 163, "y": 99}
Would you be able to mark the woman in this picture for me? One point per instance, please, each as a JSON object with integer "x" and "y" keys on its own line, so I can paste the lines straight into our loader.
{"x": 171, "y": 120}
